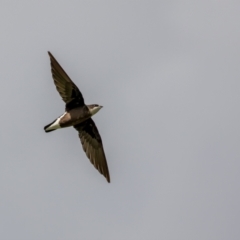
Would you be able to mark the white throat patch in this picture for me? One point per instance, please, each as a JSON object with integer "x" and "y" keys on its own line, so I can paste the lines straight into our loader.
{"x": 95, "y": 110}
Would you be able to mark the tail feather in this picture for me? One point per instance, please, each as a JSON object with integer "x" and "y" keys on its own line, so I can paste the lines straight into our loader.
{"x": 49, "y": 130}
{"x": 47, "y": 126}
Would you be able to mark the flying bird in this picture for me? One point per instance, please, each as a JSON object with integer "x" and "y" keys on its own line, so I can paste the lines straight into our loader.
{"x": 79, "y": 115}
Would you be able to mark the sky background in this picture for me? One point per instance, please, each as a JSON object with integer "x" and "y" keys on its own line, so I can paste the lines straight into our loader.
{"x": 168, "y": 76}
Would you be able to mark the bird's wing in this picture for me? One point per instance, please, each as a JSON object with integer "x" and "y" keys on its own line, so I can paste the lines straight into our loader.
{"x": 65, "y": 86}
{"x": 92, "y": 145}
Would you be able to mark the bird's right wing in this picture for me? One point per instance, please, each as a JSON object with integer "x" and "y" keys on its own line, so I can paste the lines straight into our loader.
{"x": 65, "y": 86}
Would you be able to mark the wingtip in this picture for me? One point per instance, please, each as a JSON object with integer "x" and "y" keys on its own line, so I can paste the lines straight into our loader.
{"x": 108, "y": 178}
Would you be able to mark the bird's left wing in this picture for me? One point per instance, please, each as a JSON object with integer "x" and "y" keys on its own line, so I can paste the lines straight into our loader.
{"x": 92, "y": 145}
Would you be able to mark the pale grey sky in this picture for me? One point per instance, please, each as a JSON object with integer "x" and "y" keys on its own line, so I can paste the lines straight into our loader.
{"x": 168, "y": 76}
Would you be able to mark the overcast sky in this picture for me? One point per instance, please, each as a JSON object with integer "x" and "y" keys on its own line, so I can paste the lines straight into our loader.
{"x": 168, "y": 76}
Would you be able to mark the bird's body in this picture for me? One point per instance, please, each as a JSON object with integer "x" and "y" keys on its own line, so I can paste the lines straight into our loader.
{"x": 78, "y": 115}
{"x": 69, "y": 118}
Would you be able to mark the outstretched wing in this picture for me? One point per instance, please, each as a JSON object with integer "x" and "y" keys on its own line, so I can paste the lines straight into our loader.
{"x": 92, "y": 145}
{"x": 65, "y": 86}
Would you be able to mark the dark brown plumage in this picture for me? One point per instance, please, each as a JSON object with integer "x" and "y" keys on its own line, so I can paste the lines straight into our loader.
{"x": 67, "y": 89}
{"x": 92, "y": 145}
{"x": 78, "y": 115}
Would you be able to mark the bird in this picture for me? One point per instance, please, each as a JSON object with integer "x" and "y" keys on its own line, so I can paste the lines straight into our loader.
{"x": 78, "y": 115}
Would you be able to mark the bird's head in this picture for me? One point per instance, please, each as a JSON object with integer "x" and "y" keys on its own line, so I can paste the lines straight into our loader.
{"x": 94, "y": 108}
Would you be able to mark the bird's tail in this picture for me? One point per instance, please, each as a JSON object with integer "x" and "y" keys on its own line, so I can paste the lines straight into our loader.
{"x": 52, "y": 126}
